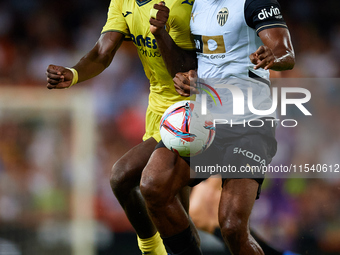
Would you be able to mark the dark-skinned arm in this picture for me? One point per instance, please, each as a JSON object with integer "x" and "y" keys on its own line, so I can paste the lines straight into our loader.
{"x": 175, "y": 58}
{"x": 89, "y": 66}
{"x": 277, "y": 53}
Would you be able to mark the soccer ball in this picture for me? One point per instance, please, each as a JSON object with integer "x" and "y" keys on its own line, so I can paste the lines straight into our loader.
{"x": 185, "y": 131}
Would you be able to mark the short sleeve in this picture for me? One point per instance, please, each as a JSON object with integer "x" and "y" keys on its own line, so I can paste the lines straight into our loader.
{"x": 115, "y": 19}
{"x": 179, "y": 25}
{"x": 263, "y": 14}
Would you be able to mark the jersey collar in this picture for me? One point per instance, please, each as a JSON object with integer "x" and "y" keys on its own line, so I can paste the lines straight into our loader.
{"x": 142, "y": 2}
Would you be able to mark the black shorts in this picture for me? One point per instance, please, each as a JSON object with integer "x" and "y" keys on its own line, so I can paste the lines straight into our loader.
{"x": 235, "y": 152}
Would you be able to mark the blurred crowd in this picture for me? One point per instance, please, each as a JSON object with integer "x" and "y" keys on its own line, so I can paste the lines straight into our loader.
{"x": 296, "y": 213}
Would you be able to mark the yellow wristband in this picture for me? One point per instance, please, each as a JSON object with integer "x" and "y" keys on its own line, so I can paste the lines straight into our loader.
{"x": 75, "y": 75}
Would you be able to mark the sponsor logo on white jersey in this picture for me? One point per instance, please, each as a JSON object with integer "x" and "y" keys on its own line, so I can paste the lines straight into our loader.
{"x": 273, "y": 12}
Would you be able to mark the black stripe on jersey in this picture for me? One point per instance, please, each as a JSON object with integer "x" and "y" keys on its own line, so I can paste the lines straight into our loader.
{"x": 198, "y": 43}
{"x": 258, "y": 78}
{"x": 263, "y": 14}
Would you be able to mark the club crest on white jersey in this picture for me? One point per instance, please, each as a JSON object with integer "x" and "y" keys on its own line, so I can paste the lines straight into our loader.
{"x": 222, "y": 16}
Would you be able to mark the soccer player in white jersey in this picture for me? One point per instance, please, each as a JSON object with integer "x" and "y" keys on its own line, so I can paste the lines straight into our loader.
{"x": 238, "y": 41}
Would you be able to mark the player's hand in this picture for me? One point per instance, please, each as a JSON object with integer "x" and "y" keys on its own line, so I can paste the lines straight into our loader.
{"x": 157, "y": 24}
{"x": 263, "y": 57}
{"x": 185, "y": 83}
{"x": 58, "y": 77}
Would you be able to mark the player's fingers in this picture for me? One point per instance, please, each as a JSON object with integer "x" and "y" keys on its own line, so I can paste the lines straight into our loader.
{"x": 54, "y": 76}
{"x": 52, "y": 85}
{"x": 267, "y": 67}
{"x": 54, "y": 69}
{"x": 253, "y": 58}
{"x": 260, "y": 50}
{"x": 193, "y": 90}
{"x": 63, "y": 85}
{"x": 263, "y": 63}
{"x": 187, "y": 81}
{"x": 182, "y": 82}
{"x": 261, "y": 56}
{"x": 53, "y": 81}
{"x": 186, "y": 88}
{"x": 182, "y": 78}
{"x": 180, "y": 90}
{"x": 158, "y": 9}
{"x": 161, "y": 16}
{"x": 156, "y": 23}
{"x": 192, "y": 74}
{"x": 161, "y": 7}
{"x": 178, "y": 82}
{"x": 183, "y": 94}
{"x": 264, "y": 54}
{"x": 260, "y": 64}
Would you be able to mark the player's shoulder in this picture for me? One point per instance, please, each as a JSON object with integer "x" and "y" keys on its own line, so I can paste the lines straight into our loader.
{"x": 180, "y": 5}
{"x": 186, "y": 2}
{"x": 259, "y": 3}
{"x": 263, "y": 14}
{"x": 180, "y": 10}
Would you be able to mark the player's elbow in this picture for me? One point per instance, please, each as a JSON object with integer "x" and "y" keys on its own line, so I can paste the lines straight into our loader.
{"x": 290, "y": 64}
{"x": 291, "y": 60}
{"x": 106, "y": 47}
{"x": 284, "y": 63}
{"x": 104, "y": 55}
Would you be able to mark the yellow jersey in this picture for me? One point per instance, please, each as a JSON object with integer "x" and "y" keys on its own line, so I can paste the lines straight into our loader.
{"x": 131, "y": 18}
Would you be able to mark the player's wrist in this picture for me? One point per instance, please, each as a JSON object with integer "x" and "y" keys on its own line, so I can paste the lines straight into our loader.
{"x": 159, "y": 32}
{"x": 74, "y": 77}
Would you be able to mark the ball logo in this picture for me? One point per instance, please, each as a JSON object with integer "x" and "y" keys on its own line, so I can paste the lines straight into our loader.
{"x": 222, "y": 16}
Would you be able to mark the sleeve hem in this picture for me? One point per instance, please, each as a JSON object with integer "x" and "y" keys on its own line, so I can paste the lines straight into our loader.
{"x": 258, "y": 30}
{"x": 113, "y": 30}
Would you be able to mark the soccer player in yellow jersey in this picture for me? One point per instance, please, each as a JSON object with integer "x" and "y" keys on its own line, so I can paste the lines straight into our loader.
{"x": 130, "y": 20}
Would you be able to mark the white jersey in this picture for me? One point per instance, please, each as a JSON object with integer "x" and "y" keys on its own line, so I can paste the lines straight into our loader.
{"x": 225, "y": 34}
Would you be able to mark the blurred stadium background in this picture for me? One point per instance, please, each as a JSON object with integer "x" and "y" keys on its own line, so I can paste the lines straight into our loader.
{"x": 57, "y": 147}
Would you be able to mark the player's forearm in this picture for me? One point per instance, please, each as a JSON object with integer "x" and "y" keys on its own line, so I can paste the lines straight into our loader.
{"x": 284, "y": 61}
{"x": 279, "y": 52}
{"x": 100, "y": 57}
{"x": 91, "y": 65}
{"x": 175, "y": 58}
